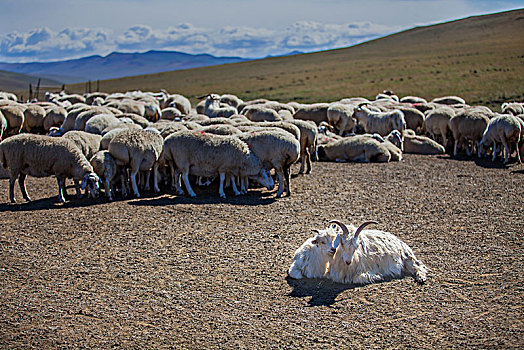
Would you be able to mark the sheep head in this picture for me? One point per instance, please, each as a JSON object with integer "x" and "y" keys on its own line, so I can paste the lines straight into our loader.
{"x": 264, "y": 178}
{"x": 92, "y": 182}
{"x": 345, "y": 244}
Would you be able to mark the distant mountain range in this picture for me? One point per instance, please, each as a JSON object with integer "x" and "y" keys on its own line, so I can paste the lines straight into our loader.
{"x": 116, "y": 65}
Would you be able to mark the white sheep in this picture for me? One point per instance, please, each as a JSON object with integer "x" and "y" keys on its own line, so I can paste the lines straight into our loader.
{"x": 437, "y": 123}
{"x": 312, "y": 258}
{"x": 412, "y": 143}
{"x": 34, "y": 118}
{"x": 138, "y": 150}
{"x": 14, "y": 115}
{"x": 208, "y": 155}
{"x": 381, "y": 123}
{"x": 104, "y": 165}
{"x": 359, "y": 148}
{"x": 468, "y": 125}
{"x": 503, "y": 129}
{"x": 449, "y": 100}
{"x": 276, "y": 149}
{"x": 340, "y": 115}
{"x": 100, "y": 122}
{"x": 260, "y": 113}
{"x": 3, "y": 125}
{"x": 513, "y": 108}
{"x": 308, "y": 143}
{"x": 316, "y": 112}
{"x": 41, "y": 156}
{"x": 370, "y": 256}
{"x": 214, "y": 109}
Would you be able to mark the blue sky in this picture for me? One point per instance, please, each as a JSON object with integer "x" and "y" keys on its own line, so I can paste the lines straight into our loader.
{"x": 44, "y": 30}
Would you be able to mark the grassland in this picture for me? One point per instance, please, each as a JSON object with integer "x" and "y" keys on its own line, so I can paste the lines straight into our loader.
{"x": 480, "y": 58}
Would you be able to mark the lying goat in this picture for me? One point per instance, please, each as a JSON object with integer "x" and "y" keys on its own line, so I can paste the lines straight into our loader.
{"x": 372, "y": 256}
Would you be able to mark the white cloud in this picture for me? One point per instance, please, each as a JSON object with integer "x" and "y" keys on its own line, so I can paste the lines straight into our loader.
{"x": 45, "y": 44}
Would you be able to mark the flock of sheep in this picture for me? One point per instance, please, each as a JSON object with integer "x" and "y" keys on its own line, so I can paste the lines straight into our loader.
{"x": 126, "y": 139}
{"x": 139, "y": 139}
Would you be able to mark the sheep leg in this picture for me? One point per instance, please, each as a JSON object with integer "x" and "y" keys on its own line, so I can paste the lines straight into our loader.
{"x": 148, "y": 175}
{"x": 177, "y": 181}
{"x": 234, "y": 185}
{"x": 133, "y": 183}
{"x": 155, "y": 178}
{"x": 124, "y": 190}
{"x": 518, "y": 153}
{"x": 107, "y": 188}
{"x": 506, "y": 150}
{"x": 244, "y": 184}
{"x": 21, "y": 183}
{"x": 61, "y": 189}
{"x": 494, "y": 152}
{"x": 221, "y": 187}
{"x": 12, "y": 189}
{"x": 281, "y": 183}
{"x": 287, "y": 175}
{"x": 185, "y": 177}
{"x": 308, "y": 160}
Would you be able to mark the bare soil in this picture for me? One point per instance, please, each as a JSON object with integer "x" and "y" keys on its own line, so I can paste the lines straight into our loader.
{"x": 166, "y": 271}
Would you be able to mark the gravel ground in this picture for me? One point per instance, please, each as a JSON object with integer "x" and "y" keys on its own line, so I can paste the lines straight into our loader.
{"x": 173, "y": 272}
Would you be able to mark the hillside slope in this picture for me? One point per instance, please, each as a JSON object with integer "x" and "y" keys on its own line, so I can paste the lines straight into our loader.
{"x": 116, "y": 65}
{"x": 480, "y": 58}
{"x": 10, "y": 81}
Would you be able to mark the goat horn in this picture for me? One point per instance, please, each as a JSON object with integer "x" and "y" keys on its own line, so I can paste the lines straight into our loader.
{"x": 345, "y": 230}
{"x": 361, "y": 227}
{"x": 201, "y": 97}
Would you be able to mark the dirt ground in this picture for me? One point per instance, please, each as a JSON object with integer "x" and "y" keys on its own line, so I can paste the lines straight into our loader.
{"x": 173, "y": 272}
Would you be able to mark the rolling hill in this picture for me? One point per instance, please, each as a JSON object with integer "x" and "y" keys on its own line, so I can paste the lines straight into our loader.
{"x": 10, "y": 81}
{"x": 480, "y": 58}
{"x": 116, "y": 65}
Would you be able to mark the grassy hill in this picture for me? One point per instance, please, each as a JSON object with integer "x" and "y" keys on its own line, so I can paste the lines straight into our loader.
{"x": 19, "y": 82}
{"x": 480, "y": 58}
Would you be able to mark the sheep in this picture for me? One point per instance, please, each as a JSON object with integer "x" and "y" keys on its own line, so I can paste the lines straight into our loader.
{"x": 308, "y": 143}
{"x": 221, "y": 129}
{"x": 140, "y": 150}
{"x": 216, "y": 121}
{"x": 99, "y": 122}
{"x": 208, "y": 155}
{"x": 213, "y": 109}
{"x": 421, "y": 145}
{"x": 14, "y": 115}
{"x": 513, "y": 108}
{"x": 41, "y": 156}
{"x": 276, "y": 150}
{"x": 137, "y": 119}
{"x": 468, "y": 125}
{"x": 170, "y": 128}
{"x": 316, "y": 112}
{"x": 90, "y": 97}
{"x": 82, "y": 118}
{"x": 359, "y": 148}
{"x": 55, "y": 116}
{"x": 123, "y": 123}
{"x": 259, "y": 113}
{"x": 370, "y": 256}
{"x": 171, "y": 113}
{"x": 340, "y": 115}
{"x": 231, "y": 100}
{"x": 437, "y": 123}
{"x": 504, "y": 129}
{"x": 449, "y": 100}
{"x": 33, "y": 118}
{"x": 413, "y": 99}
{"x": 381, "y": 123}
{"x": 104, "y": 165}
{"x": 312, "y": 258}
{"x": 179, "y": 102}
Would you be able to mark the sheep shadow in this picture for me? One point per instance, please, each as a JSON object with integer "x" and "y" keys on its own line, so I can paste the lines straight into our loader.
{"x": 50, "y": 203}
{"x": 252, "y": 198}
{"x": 323, "y": 292}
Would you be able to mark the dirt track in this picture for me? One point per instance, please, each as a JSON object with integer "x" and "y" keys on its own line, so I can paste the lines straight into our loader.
{"x": 168, "y": 271}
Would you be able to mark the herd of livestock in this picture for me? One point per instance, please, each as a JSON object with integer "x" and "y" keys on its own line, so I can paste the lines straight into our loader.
{"x": 140, "y": 139}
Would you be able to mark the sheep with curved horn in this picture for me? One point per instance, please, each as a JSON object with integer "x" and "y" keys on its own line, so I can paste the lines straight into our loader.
{"x": 369, "y": 256}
